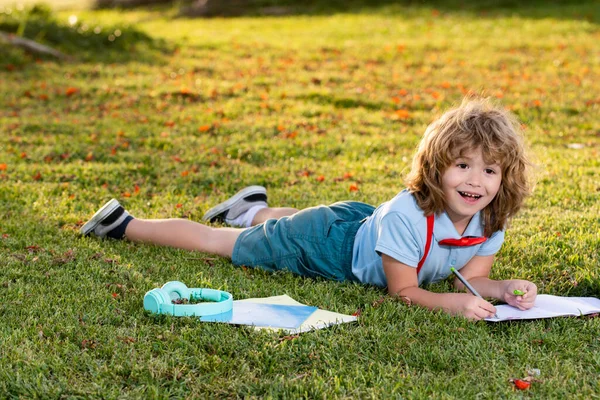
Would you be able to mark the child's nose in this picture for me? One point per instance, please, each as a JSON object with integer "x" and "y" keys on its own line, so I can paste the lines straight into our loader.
{"x": 474, "y": 179}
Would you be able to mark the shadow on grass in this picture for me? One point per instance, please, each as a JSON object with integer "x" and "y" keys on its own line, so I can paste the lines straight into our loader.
{"x": 588, "y": 10}
{"x": 79, "y": 40}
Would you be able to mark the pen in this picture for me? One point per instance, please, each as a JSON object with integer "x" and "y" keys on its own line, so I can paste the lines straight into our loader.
{"x": 467, "y": 285}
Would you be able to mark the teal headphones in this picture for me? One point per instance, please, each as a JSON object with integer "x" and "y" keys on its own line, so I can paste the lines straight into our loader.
{"x": 160, "y": 301}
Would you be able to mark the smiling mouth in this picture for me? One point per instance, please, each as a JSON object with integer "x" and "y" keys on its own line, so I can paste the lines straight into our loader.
{"x": 470, "y": 195}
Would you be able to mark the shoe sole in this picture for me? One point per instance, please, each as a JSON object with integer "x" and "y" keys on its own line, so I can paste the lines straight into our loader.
{"x": 100, "y": 215}
{"x": 218, "y": 209}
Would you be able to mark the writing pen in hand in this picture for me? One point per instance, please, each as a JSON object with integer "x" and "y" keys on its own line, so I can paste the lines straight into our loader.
{"x": 467, "y": 285}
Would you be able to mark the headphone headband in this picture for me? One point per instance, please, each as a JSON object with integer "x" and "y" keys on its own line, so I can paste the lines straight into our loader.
{"x": 160, "y": 301}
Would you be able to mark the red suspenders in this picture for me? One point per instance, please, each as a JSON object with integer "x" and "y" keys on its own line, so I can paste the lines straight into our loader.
{"x": 465, "y": 241}
{"x": 430, "y": 220}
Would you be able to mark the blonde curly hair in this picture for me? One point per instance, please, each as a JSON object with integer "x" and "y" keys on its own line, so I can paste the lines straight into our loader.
{"x": 475, "y": 124}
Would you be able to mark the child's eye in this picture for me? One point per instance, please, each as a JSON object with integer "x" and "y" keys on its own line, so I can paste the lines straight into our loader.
{"x": 462, "y": 165}
{"x": 490, "y": 171}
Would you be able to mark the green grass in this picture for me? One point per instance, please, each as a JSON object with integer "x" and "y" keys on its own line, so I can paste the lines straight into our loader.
{"x": 174, "y": 127}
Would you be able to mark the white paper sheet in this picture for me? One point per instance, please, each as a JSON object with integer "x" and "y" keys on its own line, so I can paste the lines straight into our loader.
{"x": 318, "y": 320}
{"x": 548, "y": 306}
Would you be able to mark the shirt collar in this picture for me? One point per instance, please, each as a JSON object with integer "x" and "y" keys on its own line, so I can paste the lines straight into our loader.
{"x": 444, "y": 228}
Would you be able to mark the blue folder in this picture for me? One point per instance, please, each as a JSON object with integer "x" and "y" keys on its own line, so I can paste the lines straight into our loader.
{"x": 265, "y": 315}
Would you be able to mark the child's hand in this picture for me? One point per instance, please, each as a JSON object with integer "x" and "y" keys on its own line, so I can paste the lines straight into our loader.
{"x": 521, "y": 294}
{"x": 469, "y": 306}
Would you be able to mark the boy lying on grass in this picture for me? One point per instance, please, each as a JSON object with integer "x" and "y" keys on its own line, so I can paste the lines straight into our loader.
{"x": 468, "y": 178}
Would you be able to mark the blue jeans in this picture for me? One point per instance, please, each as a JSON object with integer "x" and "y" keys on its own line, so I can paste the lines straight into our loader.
{"x": 316, "y": 241}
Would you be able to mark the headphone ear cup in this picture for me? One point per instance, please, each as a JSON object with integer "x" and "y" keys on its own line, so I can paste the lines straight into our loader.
{"x": 154, "y": 299}
{"x": 176, "y": 290}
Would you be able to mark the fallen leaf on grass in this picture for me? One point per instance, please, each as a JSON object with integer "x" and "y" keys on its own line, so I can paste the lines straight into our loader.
{"x": 34, "y": 248}
{"x": 378, "y": 302}
{"x": 126, "y": 339}
{"x": 288, "y": 337}
{"x": 65, "y": 258}
{"x": 88, "y": 344}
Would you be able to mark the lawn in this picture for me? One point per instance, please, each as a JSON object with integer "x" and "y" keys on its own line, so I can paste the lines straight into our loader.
{"x": 173, "y": 115}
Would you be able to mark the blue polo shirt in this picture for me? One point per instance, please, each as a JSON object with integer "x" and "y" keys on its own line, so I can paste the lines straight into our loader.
{"x": 398, "y": 229}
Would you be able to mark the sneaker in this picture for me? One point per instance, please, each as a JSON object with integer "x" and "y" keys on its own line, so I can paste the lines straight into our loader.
{"x": 106, "y": 220}
{"x": 237, "y": 205}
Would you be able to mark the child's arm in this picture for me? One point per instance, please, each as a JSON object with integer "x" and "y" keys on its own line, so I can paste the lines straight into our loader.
{"x": 477, "y": 271}
{"x": 402, "y": 281}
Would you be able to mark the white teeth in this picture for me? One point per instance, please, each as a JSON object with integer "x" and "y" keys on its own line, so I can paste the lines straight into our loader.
{"x": 465, "y": 194}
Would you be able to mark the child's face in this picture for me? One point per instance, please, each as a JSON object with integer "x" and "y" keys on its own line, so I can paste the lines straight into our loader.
{"x": 469, "y": 185}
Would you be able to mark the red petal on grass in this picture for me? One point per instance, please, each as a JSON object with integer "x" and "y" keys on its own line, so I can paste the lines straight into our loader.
{"x": 521, "y": 384}
{"x": 89, "y": 156}
{"x": 3, "y": 167}
{"x": 178, "y": 205}
{"x": 320, "y": 178}
{"x": 347, "y": 175}
{"x": 136, "y": 189}
{"x": 170, "y": 124}
{"x": 353, "y": 187}
{"x": 126, "y": 194}
{"x": 204, "y": 128}
{"x": 37, "y": 176}
{"x": 185, "y": 173}
{"x": 71, "y": 91}
{"x": 403, "y": 114}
